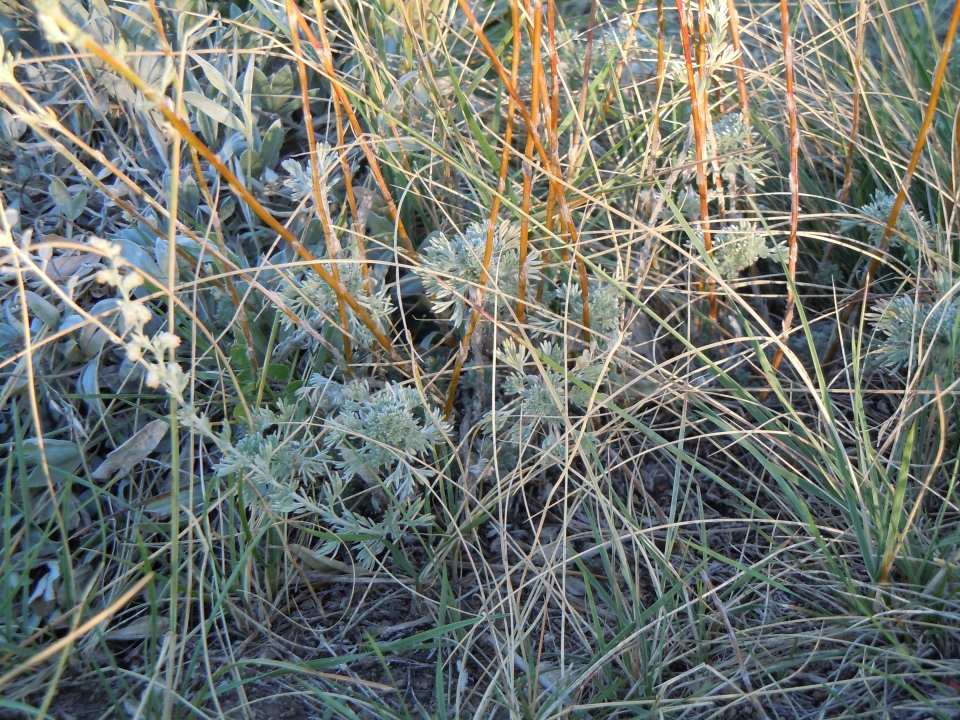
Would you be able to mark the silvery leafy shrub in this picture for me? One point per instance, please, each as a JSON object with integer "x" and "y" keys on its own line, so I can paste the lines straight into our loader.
{"x": 740, "y": 152}
{"x": 741, "y": 245}
{"x": 314, "y": 301}
{"x": 914, "y": 331}
{"x": 606, "y": 308}
{"x": 368, "y": 535}
{"x": 910, "y": 228}
{"x": 387, "y": 434}
{"x": 273, "y": 455}
{"x": 538, "y": 404}
{"x": 453, "y": 274}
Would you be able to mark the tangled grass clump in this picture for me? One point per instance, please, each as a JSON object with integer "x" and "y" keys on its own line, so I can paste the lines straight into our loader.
{"x": 478, "y": 360}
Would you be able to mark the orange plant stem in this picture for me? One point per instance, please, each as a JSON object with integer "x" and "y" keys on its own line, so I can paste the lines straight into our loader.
{"x": 855, "y": 119}
{"x": 861, "y": 297}
{"x": 163, "y": 106}
{"x": 320, "y": 193}
{"x": 699, "y": 137}
{"x": 734, "y": 22}
{"x": 491, "y": 223}
{"x": 527, "y": 167}
{"x": 794, "y": 179}
{"x": 558, "y": 192}
{"x": 556, "y": 178}
{"x": 325, "y": 54}
{"x": 622, "y": 61}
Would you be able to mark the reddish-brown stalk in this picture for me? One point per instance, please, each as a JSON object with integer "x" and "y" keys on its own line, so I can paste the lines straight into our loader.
{"x": 655, "y": 126}
{"x": 585, "y": 84}
{"x": 794, "y": 180}
{"x": 621, "y": 63}
{"x": 325, "y": 54}
{"x": 855, "y": 118}
{"x": 699, "y": 140}
{"x": 558, "y": 190}
{"x": 320, "y": 194}
{"x": 734, "y": 21}
{"x": 491, "y": 222}
{"x": 163, "y": 106}
{"x": 527, "y": 167}
{"x": 555, "y": 177}
{"x": 862, "y": 295}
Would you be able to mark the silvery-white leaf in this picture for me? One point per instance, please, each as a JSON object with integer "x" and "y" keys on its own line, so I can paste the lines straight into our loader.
{"x": 43, "y": 309}
{"x": 137, "y": 448}
{"x": 63, "y": 457}
{"x": 69, "y": 205}
{"x": 213, "y": 110}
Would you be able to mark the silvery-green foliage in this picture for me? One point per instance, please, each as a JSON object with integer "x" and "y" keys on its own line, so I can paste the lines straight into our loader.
{"x": 740, "y": 151}
{"x": 314, "y": 301}
{"x": 915, "y": 331}
{"x": 688, "y": 203}
{"x": 299, "y": 182}
{"x": 385, "y": 434}
{"x": 540, "y": 403}
{"x": 367, "y": 535}
{"x": 606, "y": 307}
{"x": 911, "y": 227}
{"x": 452, "y": 270}
{"x": 739, "y": 246}
{"x": 11, "y": 130}
{"x": 329, "y": 395}
{"x": 268, "y": 456}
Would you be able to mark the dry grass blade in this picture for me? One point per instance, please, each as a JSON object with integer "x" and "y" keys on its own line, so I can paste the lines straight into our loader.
{"x": 699, "y": 140}
{"x": 552, "y": 166}
{"x": 491, "y": 222}
{"x": 565, "y": 499}
{"x": 741, "y": 77}
{"x": 239, "y": 188}
{"x": 862, "y": 295}
{"x": 319, "y": 184}
{"x": 326, "y": 56}
{"x": 78, "y": 632}
{"x": 793, "y": 180}
{"x": 857, "y": 92}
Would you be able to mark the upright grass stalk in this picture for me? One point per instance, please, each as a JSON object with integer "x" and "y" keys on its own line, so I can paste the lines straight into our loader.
{"x": 491, "y": 222}
{"x": 324, "y": 52}
{"x": 794, "y": 180}
{"x": 861, "y": 296}
{"x": 319, "y": 185}
{"x": 622, "y": 60}
{"x": 734, "y": 24}
{"x": 855, "y": 116}
{"x": 699, "y": 140}
{"x": 228, "y": 279}
{"x": 555, "y": 177}
{"x": 584, "y": 83}
{"x": 351, "y": 195}
{"x": 556, "y": 189}
{"x": 654, "y": 147}
{"x": 173, "y": 195}
{"x": 536, "y": 68}
{"x": 162, "y": 104}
